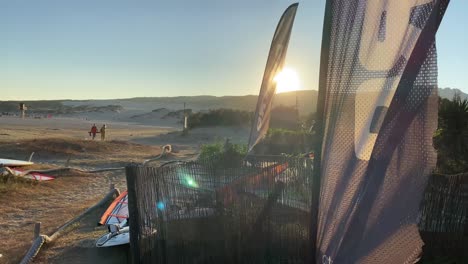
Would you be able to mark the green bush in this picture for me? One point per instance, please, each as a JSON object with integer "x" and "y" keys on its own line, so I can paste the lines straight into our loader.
{"x": 225, "y": 154}
{"x": 286, "y": 117}
{"x": 451, "y": 137}
{"x": 284, "y": 141}
{"x": 220, "y": 117}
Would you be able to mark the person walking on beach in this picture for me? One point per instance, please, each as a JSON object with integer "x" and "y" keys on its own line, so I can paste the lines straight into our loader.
{"x": 103, "y": 132}
{"x": 93, "y": 131}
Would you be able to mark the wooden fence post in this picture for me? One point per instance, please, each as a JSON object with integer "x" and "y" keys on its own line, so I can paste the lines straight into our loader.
{"x": 37, "y": 230}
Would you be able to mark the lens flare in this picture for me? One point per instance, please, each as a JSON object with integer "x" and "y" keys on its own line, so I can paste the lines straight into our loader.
{"x": 161, "y": 206}
{"x": 189, "y": 181}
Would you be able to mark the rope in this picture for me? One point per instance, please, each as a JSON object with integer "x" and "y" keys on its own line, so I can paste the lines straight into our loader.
{"x": 166, "y": 149}
{"x": 65, "y": 169}
{"x": 34, "y": 249}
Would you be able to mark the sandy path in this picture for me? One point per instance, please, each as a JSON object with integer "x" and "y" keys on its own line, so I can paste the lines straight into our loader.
{"x": 13, "y": 129}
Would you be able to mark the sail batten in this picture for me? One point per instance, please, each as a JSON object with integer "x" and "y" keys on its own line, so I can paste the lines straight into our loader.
{"x": 117, "y": 211}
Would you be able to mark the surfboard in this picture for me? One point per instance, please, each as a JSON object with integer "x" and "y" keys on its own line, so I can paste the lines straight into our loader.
{"x": 114, "y": 239}
{"x": 14, "y": 163}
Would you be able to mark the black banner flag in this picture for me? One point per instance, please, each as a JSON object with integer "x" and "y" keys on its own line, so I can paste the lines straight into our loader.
{"x": 275, "y": 63}
{"x": 380, "y": 112}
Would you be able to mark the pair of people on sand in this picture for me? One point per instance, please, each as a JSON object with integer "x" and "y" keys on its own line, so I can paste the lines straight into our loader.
{"x": 94, "y": 131}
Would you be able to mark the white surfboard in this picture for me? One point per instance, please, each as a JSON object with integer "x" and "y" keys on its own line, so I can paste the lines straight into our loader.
{"x": 114, "y": 239}
{"x": 14, "y": 163}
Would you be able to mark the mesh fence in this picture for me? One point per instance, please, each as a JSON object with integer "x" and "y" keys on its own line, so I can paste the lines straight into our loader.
{"x": 200, "y": 212}
{"x": 258, "y": 212}
{"x": 444, "y": 217}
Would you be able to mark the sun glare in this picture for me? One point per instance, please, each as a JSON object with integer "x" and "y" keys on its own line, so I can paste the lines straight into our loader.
{"x": 286, "y": 81}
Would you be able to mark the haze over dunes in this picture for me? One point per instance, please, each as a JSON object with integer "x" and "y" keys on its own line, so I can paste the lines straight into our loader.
{"x": 135, "y": 107}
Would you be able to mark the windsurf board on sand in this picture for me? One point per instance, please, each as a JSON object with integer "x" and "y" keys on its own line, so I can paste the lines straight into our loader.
{"x": 121, "y": 237}
{"x": 14, "y": 163}
{"x": 115, "y": 217}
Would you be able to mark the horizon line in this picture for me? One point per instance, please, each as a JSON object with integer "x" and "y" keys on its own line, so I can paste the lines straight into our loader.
{"x": 175, "y": 96}
{"x": 140, "y": 97}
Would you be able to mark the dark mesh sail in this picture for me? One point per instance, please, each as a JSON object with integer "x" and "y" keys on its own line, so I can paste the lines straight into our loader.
{"x": 275, "y": 62}
{"x": 379, "y": 117}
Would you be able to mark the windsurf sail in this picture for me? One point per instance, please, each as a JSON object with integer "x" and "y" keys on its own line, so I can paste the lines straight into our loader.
{"x": 229, "y": 191}
{"x": 275, "y": 62}
{"x": 379, "y": 92}
{"x": 117, "y": 212}
{"x": 32, "y": 176}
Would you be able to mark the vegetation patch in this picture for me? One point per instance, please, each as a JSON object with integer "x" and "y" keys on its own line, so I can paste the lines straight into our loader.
{"x": 226, "y": 154}
{"x": 220, "y": 117}
{"x": 451, "y": 137}
{"x": 286, "y": 117}
{"x": 177, "y": 114}
{"x": 159, "y": 110}
{"x": 54, "y": 107}
{"x": 285, "y": 141}
{"x": 11, "y": 183}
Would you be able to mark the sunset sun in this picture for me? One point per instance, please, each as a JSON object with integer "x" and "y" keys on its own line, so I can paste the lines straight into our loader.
{"x": 287, "y": 81}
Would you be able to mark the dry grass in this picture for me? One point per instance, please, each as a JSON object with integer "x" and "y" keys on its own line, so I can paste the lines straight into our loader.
{"x": 55, "y": 142}
{"x": 52, "y": 203}
{"x": 62, "y": 149}
{"x": 56, "y": 202}
{"x": 78, "y": 246}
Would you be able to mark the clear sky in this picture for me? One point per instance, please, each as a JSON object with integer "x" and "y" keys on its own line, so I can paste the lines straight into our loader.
{"x": 89, "y": 49}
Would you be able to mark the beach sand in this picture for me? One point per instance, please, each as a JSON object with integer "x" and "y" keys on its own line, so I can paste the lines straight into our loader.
{"x": 65, "y": 141}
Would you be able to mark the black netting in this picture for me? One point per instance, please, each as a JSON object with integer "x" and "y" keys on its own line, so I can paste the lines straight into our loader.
{"x": 199, "y": 212}
{"x": 444, "y": 217}
{"x": 258, "y": 212}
